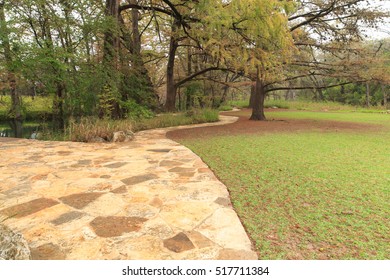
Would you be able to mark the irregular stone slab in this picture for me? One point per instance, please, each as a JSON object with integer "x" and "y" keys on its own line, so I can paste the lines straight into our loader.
{"x": 116, "y": 165}
{"x": 139, "y": 179}
{"x": 170, "y": 163}
{"x": 119, "y": 190}
{"x": 88, "y": 233}
{"x": 141, "y": 210}
{"x": 182, "y": 170}
{"x": 28, "y": 208}
{"x": 223, "y": 201}
{"x": 157, "y": 227}
{"x": 186, "y": 215}
{"x": 179, "y": 243}
{"x": 12, "y": 245}
{"x": 48, "y": 251}
{"x": 67, "y": 217}
{"x": 145, "y": 247}
{"x": 112, "y": 226}
{"x": 230, "y": 254}
{"x": 186, "y": 174}
{"x": 224, "y": 228}
{"x": 64, "y": 153}
{"x": 80, "y": 200}
{"x": 108, "y": 204}
{"x": 160, "y": 150}
{"x": 39, "y": 177}
{"x": 199, "y": 239}
{"x": 204, "y": 170}
{"x": 156, "y": 202}
{"x": 207, "y": 253}
{"x": 84, "y": 162}
{"x": 19, "y": 190}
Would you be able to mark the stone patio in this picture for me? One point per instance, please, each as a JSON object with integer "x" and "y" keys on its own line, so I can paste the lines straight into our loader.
{"x": 151, "y": 198}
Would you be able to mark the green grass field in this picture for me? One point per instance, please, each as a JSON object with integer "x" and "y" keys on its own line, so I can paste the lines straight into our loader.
{"x": 309, "y": 195}
{"x": 33, "y": 109}
{"x": 310, "y": 106}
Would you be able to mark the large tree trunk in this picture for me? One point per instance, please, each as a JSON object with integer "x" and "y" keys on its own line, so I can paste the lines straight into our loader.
{"x": 137, "y": 61}
{"x": 170, "y": 103}
{"x": 16, "y": 109}
{"x": 189, "y": 72}
{"x": 58, "y": 107}
{"x": 109, "y": 96}
{"x": 111, "y": 36}
{"x": 252, "y": 96}
{"x": 258, "y": 101}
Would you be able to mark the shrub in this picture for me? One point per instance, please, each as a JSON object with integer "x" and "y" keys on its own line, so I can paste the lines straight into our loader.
{"x": 136, "y": 111}
{"x": 240, "y": 103}
{"x": 225, "y": 107}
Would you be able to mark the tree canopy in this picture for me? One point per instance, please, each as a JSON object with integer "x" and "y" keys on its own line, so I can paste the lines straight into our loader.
{"x": 115, "y": 59}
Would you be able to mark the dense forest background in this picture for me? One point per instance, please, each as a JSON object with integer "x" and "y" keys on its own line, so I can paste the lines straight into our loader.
{"x": 118, "y": 59}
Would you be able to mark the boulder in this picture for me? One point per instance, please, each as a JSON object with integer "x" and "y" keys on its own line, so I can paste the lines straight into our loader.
{"x": 129, "y": 136}
{"x": 121, "y": 136}
{"x": 12, "y": 245}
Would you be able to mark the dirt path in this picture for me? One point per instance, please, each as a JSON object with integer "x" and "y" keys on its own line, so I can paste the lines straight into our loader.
{"x": 245, "y": 126}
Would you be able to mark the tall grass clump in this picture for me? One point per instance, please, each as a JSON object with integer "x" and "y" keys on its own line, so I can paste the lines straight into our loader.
{"x": 225, "y": 107}
{"x": 168, "y": 120}
{"x": 239, "y": 103}
{"x": 91, "y": 129}
{"x": 203, "y": 116}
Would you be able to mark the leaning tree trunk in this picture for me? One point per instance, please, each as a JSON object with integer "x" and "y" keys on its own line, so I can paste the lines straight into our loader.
{"x": 252, "y": 96}
{"x": 16, "y": 105}
{"x": 170, "y": 103}
{"x": 258, "y": 101}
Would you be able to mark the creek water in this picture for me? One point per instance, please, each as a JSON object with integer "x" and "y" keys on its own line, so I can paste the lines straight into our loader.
{"x": 25, "y": 131}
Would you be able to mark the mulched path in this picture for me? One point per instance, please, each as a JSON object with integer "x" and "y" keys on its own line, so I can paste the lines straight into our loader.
{"x": 246, "y": 126}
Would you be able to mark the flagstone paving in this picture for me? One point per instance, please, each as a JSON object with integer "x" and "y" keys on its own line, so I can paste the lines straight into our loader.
{"x": 151, "y": 198}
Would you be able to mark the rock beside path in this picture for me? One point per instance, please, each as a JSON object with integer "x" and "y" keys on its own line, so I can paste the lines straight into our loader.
{"x": 12, "y": 245}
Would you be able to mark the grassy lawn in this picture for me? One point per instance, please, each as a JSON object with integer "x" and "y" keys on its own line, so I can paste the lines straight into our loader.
{"x": 34, "y": 109}
{"x": 309, "y": 195}
{"x": 310, "y": 106}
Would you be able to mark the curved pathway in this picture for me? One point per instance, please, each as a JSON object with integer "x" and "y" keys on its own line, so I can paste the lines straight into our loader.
{"x": 151, "y": 198}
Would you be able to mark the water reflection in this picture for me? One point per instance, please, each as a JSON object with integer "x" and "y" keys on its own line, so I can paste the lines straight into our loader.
{"x": 18, "y": 130}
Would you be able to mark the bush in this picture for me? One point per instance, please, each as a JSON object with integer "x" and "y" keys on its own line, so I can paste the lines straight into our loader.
{"x": 240, "y": 103}
{"x": 225, "y": 107}
{"x": 136, "y": 111}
